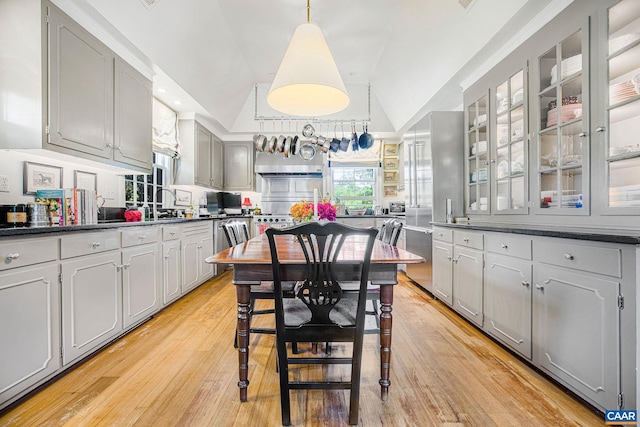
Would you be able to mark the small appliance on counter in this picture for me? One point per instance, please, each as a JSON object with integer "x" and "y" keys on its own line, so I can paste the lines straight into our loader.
{"x": 396, "y": 208}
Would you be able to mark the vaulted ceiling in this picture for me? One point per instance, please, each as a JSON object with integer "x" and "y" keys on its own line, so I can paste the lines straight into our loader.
{"x": 409, "y": 51}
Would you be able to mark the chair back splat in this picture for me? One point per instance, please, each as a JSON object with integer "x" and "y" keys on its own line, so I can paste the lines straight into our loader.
{"x": 321, "y": 312}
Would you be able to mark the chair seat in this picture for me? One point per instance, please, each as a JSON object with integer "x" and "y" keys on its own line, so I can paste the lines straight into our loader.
{"x": 296, "y": 312}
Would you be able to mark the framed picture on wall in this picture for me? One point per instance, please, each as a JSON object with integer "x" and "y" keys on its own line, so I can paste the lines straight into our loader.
{"x": 390, "y": 191}
{"x": 390, "y": 150}
{"x": 41, "y": 177}
{"x": 390, "y": 177}
{"x": 183, "y": 198}
{"x": 85, "y": 180}
{"x": 390, "y": 163}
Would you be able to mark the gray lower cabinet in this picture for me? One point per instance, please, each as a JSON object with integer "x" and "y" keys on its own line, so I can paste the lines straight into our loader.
{"x": 507, "y": 301}
{"x": 171, "y": 263}
{"x": 238, "y": 166}
{"x": 91, "y": 303}
{"x": 468, "y": 266}
{"x": 577, "y": 321}
{"x": 467, "y": 283}
{"x": 29, "y": 327}
{"x": 197, "y": 245}
{"x": 443, "y": 271}
{"x": 140, "y": 283}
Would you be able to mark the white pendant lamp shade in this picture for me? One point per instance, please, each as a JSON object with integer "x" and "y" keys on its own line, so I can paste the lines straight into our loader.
{"x": 308, "y": 82}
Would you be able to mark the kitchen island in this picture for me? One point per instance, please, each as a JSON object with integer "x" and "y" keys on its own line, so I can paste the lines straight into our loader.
{"x": 563, "y": 299}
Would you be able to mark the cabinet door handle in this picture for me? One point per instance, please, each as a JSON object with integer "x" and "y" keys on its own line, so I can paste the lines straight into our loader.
{"x": 504, "y": 246}
{"x": 95, "y": 245}
{"x": 109, "y": 145}
{"x": 569, "y": 256}
{"x": 600, "y": 129}
{"x": 456, "y": 260}
{"x": 582, "y": 134}
{"x": 541, "y": 287}
{"x": 525, "y": 283}
{"x": 13, "y": 256}
{"x": 449, "y": 257}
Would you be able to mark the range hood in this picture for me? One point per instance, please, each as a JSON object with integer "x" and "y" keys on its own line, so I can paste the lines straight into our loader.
{"x": 278, "y": 164}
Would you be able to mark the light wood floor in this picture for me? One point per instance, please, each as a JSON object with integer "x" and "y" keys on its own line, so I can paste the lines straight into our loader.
{"x": 180, "y": 368}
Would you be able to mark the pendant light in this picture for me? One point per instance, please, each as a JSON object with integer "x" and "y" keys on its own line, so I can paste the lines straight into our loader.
{"x": 308, "y": 82}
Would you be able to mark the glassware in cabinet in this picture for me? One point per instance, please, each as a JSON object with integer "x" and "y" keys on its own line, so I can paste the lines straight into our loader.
{"x": 623, "y": 105}
{"x": 477, "y": 163}
{"x": 562, "y": 138}
{"x": 510, "y": 145}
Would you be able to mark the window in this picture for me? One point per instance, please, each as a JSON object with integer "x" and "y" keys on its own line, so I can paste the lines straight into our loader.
{"x": 355, "y": 187}
{"x": 147, "y": 188}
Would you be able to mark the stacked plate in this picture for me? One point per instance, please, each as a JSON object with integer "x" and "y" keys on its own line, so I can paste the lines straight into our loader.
{"x": 569, "y": 112}
{"x": 622, "y": 41}
{"x": 568, "y": 67}
{"x": 620, "y": 91}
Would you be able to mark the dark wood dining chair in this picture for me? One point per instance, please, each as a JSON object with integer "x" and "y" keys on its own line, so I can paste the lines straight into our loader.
{"x": 321, "y": 311}
{"x": 389, "y": 233}
{"x": 237, "y": 233}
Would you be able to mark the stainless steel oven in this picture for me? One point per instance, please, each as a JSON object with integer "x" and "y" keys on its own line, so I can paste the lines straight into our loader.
{"x": 262, "y": 222}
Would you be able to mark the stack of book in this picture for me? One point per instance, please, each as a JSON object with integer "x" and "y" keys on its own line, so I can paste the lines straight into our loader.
{"x": 70, "y": 206}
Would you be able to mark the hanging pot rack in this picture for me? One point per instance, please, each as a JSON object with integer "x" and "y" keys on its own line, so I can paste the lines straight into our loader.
{"x": 363, "y": 121}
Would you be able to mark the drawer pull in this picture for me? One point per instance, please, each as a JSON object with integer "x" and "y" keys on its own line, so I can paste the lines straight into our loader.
{"x": 94, "y": 245}
{"x": 173, "y": 233}
{"x": 11, "y": 257}
{"x": 600, "y": 129}
{"x": 525, "y": 283}
{"x": 441, "y": 234}
{"x": 142, "y": 237}
{"x": 466, "y": 240}
{"x": 504, "y": 246}
{"x": 541, "y": 287}
{"x": 569, "y": 256}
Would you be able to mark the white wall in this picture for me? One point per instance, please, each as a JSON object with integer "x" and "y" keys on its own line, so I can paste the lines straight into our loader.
{"x": 110, "y": 183}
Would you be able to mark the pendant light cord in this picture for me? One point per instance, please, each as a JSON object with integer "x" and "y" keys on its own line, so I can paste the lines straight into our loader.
{"x": 308, "y": 11}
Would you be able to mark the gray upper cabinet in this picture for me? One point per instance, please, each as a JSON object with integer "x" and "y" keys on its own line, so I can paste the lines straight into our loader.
{"x": 238, "y": 166}
{"x": 201, "y": 161}
{"x": 133, "y": 111}
{"x": 564, "y": 109}
{"x": 77, "y": 97}
{"x": 80, "y": 89}
{"x": 217, "y": 163}
{"x": 203, "y": 157}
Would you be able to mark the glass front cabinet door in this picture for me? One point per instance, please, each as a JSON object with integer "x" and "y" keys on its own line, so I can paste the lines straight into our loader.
{"x": 477, "y": 163}
{"x": 509, "y": 146}
{"x": 622, "y": 129}
{"x": 562, "y": 128}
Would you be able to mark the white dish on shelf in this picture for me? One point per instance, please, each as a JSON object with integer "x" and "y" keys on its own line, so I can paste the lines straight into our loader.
{"x": 619, "y": 42}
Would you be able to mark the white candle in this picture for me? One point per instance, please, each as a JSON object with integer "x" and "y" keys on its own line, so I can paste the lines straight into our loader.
{"x": 315, "y": 204}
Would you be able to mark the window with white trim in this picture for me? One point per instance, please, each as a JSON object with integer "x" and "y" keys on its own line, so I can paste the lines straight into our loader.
{"x": 355, "y": 187}
{"x": 146, "y": 189}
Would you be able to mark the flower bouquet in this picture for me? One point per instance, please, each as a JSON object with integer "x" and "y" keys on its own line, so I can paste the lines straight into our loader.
{"x": 303, "y": 211}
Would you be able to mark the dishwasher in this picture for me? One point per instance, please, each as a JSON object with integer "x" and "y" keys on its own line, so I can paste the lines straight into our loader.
{"x": 418, "y": 241}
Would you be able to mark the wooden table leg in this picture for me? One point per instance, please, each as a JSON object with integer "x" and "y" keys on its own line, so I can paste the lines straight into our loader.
{"x": 386, "y": 301}
{"x": 243, "y": 293}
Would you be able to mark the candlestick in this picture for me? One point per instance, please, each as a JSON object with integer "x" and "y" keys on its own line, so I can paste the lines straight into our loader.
{"x": 315, "y": 204}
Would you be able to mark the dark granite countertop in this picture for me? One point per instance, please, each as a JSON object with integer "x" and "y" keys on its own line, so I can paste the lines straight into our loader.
{"x": 593, "y": 234}
{"x": 26, "y": 231}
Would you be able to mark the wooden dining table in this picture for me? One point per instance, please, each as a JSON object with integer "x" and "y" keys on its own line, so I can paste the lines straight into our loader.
{"x": 252, "y": 266}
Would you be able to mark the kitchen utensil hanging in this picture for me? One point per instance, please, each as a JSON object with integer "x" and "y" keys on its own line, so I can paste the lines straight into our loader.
{"x": 366, "y": 140}
{"x": 354, "y": 138}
